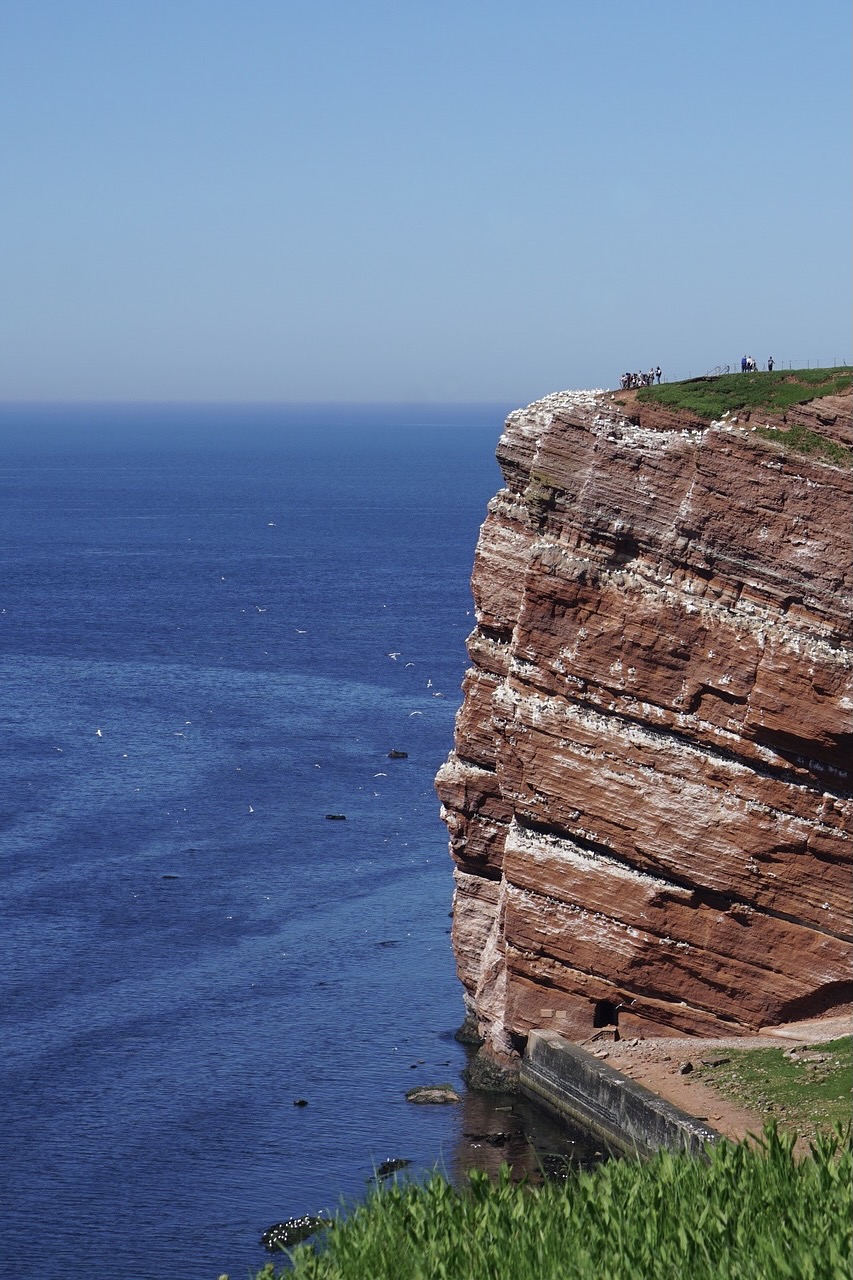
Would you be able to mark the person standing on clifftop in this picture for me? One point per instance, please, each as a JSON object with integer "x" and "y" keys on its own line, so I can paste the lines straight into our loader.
{"x": 743, "y": 364}
{"x": 770, "y": 365}
{"x": 658, "y": 374}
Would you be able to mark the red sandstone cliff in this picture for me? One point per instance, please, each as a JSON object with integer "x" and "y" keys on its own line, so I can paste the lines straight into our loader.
{"x": 648, "y": 802}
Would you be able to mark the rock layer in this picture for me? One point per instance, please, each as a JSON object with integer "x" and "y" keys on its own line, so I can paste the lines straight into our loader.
{"x": 648, "y": 801}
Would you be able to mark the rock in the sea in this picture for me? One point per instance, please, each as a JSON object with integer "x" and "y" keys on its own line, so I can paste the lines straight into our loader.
{"x": 649, "y": 803}
{"x": 468, "y": 1033}
{"x": 487, "y": 1074}
{"x": 282, "y": 1235}
{"x": 433, "y": 1093}
{"x": 388, "y": 1167}
{"x": 398, "y": 755}
{"x": 499, "y": 1139}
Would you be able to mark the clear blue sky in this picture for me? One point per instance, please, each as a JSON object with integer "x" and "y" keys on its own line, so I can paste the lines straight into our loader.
{"x": 426, "y": 200}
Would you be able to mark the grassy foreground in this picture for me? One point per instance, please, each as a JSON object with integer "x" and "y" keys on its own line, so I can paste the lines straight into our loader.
{"x": 748, "y": 1212}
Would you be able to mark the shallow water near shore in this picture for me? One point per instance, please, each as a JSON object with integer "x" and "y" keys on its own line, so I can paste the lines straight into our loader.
{"x": 215, "y": 626}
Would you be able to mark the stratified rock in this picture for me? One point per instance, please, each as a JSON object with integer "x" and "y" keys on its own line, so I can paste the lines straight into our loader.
{"x": 648, "y": 803}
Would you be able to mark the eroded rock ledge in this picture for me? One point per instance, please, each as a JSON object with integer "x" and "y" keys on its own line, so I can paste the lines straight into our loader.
{"x": 648, "y": 803}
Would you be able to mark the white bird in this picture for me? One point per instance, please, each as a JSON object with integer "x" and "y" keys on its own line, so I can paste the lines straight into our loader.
{"x": 251, "y": 810}
{"x": 300, "y": 633}
{"x": 415, "y": 713}
{"x": 380, "y": 775}
{"x": 259, "y": 609}
{"x": 98, "y": 733}
{"x": 395, "y": 656}
{"x": 410, "y": 664}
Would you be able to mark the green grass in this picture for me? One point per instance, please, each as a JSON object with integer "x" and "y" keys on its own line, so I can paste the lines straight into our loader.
{"x": 771, "y": 393}
{"x": 801, "y": 440}
{"x": 808, "y": 1092}
{"x": 746, "y": 1213}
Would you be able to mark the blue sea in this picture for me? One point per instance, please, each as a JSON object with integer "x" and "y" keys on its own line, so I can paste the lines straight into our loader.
{"x": 215, "y": 624}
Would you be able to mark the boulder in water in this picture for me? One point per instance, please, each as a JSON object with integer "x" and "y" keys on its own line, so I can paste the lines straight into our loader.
{"x": 433, "y": 1093}
{"x": 281, "y": 1235}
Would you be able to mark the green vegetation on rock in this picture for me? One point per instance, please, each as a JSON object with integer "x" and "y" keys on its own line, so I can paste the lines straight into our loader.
{"x": 803, "y": 1089}
{"x": 772, "y": 393}
{"x": 801, "y": 440}
{"x": 746, "y": 1212}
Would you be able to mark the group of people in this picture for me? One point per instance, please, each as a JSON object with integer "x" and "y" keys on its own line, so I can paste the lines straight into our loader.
{"x": 630, "y": 380}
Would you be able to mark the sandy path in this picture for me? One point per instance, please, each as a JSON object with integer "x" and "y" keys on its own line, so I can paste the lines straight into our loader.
{"x": 656, "y": 1064}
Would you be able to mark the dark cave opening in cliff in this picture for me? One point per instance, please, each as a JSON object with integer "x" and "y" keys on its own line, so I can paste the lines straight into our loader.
{"x": 606, "y": 1014}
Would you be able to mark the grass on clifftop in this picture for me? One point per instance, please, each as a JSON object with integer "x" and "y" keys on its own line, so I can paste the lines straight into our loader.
{"x": 747, "y": 1212}
{"x": 772, "y": 393}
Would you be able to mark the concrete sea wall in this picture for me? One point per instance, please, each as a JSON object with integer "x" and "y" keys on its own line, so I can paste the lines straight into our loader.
{"x": 570, "y": 1082}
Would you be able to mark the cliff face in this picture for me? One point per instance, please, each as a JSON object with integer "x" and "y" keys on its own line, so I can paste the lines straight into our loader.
{"x": 648, "y": 802}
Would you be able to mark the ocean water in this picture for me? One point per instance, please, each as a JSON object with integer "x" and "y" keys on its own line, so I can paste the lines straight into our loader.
{"x": 216, "y": 624}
